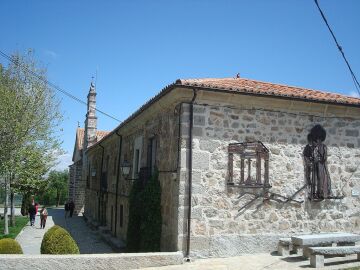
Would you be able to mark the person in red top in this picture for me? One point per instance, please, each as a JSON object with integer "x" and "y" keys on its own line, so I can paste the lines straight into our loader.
{"x": 43, "y": 217}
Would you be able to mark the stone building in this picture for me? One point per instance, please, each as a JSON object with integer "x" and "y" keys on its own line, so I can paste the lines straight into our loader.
{"x": 229, "y": 155}
{"x": 85, "y": 137}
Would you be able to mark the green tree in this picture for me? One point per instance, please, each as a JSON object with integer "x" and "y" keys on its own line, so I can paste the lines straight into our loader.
{"x": 57, "y": 188}
{"x": 29, "y": 124}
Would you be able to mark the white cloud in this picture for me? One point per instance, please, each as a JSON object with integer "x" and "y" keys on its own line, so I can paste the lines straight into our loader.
{"x": 354, "y": 94}
{"x": 63, "y": 162}
{"x": 51, "y": 54}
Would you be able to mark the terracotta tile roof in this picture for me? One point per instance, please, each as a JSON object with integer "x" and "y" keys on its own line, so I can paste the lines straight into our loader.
{"x": 80, "y": 136}
{"x": 101, "y": 134}
{"x": 245, "y": 86}
{"x": 241, "y": 85}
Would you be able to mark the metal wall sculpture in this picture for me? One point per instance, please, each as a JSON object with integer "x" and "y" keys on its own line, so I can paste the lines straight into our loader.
{"x": 317, "y": 176}
{"x": 251, "y": 152}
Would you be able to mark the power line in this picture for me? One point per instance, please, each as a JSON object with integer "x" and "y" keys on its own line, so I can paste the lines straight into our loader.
{"x": 37, "y": 76}
{"x": 356, "y": 82}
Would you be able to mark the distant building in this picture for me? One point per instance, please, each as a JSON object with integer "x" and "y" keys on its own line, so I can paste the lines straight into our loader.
{"x": 229, "y": 155}
{"x": 84, "y": 139}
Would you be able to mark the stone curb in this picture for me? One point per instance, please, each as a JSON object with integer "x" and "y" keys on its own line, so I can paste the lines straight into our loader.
{"x": 92, "y": 261}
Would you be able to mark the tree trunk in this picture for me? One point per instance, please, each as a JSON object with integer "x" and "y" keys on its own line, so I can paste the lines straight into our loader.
{"x": 6, "y": 219}
{"x": 12, "y": 206}
{"x": 57, "y": 198}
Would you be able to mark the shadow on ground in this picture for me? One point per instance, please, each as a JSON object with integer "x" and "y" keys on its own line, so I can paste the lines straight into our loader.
{"x": 89, "y": 241}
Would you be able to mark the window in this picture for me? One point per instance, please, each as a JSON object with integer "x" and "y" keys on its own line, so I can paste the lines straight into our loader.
{"x": 107, "y": 163}
{"x": 114, "y": 166}
{"x": 137, "y": 157}
{"x": 88, "y": 176}
{"x": 121, "y": 215}
{"x": 151, "y": 154}
{"x": 112, "y": 216}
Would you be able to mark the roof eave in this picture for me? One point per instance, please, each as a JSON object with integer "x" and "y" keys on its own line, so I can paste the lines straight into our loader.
{"x": 179, "y": 83}
{"x": 270, "y": 95}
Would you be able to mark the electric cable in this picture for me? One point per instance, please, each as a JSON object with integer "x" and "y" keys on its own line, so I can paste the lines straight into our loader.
{"x": 54, "y": 86}
{"x": 355, "y": 80}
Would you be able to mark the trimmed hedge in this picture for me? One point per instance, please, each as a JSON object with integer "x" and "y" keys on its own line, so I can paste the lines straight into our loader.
{"x": 58, "y": 241}
{"x": 10, "y": 246}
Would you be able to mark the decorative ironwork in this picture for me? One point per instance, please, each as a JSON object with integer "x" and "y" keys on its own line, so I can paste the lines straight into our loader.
{"x": 249, "y": 152}
{"x": 267, "y": 196}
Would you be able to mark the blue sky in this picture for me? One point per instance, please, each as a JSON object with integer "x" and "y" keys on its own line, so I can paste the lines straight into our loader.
{"x": 138, "y": 47}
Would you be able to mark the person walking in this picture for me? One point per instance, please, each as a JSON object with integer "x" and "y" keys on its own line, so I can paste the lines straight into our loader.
{"x": 66, "y": 209}
{"x": 32, "y": 213}
{"x": 43, "y": 217}
{"x": 71, "y": 208}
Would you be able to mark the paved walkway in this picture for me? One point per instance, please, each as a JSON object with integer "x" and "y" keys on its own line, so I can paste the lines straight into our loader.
{"x": 261, "y": 262}
{"x": 30, "y": 237}
{"x": 89, "y": 241}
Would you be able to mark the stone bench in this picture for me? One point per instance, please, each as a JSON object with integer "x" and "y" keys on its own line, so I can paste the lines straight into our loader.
{"x": 317, "y": 253}
{"x": 284, "y": 246}
{"x": 323, "y": 240}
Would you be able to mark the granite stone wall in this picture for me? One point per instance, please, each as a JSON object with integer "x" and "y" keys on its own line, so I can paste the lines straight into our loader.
{"x": 217, "y": 227}
{"x": 76, "y": 187}
{"x": 163, "y": 126}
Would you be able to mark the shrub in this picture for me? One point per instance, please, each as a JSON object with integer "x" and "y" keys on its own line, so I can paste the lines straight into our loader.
{"x": 150, "y": 229}
{"x": 47, "y": 236}
{"x": 135, "y": 209}
{"x": 10, "y": 246}
{"x": 145, "y": 221}
{"x": 58, "y": 241}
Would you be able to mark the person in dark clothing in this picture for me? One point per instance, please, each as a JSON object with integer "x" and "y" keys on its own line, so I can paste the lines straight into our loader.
{"x": 67, "y": 208}
{"x": 32, "y": 213}
{"x": 71, "y": 208}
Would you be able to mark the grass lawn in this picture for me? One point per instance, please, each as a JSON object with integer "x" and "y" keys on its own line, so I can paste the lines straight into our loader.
{"x": 13, "y": 231}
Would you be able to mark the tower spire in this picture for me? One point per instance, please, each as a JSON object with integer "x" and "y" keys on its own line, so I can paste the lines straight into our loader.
{"x": 91, "y": 118}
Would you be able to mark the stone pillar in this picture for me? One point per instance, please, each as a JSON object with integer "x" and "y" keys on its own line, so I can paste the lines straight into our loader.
{"x": 80, "y": 189}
